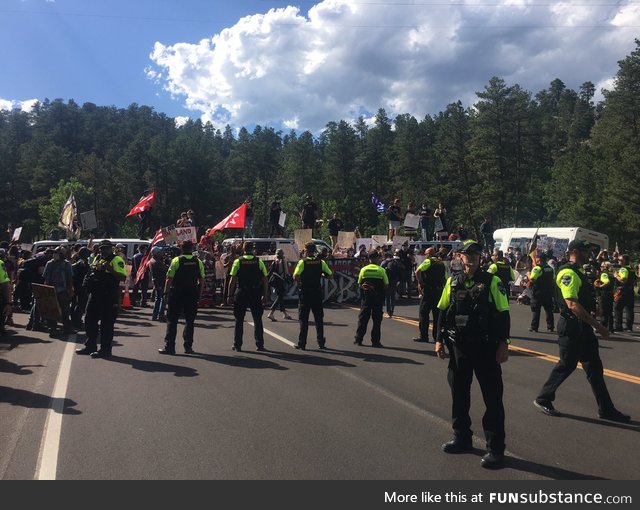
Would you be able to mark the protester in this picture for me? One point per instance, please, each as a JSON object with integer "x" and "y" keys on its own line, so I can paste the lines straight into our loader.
{"x": 274, "y": 218}
{"x": 79, "y": 303}
{"x": 279, "y": 278}
{"x": 141, "y": 286}
{"x": 59, "y": 275}
{"x": 335, "y": 225}
{"x": 309, "y": 214}
{"x": 425, "y": 214}
{"x": 158, "y": 270}
{"x": 395, "y": 218}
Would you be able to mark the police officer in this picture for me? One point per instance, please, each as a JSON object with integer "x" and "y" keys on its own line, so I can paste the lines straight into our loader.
{"x": 182, "y": 289}
{"x": 474, "y": 323}
{"x": 431, "y": 276}
{"x": 249, "y": 276}
{"x": 102, "y": 282}
{"x": 543, "y": 287}
{"x": 576, "y": 339}
{"x": 373, "y": 281}
{"x": 309, "y": 273}
{"x": 605, "y": 286}
{"x": 502, "y": 270}
{"x": 5, "y": 297}
{"x": 626, "y": 282}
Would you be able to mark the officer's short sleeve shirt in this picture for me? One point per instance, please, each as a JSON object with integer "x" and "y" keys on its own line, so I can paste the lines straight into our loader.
{"x": 300, "y": 268}
{"x": 175, "y": 264}
{"x": 4, "y": 277}
{"x": 604, "y": 278}
{"x": 535, "y": 273}
{"x": 623, "y": 273}
{"x": 236, "y": 266}
{"x": 426, "y": 264}
{"x": 569, "y": 283}
{"x": 497, "y": 294}
{"x": 373, "y": 271}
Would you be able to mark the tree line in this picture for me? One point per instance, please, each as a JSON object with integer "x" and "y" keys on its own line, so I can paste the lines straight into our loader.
{"x": 555, "y": 158}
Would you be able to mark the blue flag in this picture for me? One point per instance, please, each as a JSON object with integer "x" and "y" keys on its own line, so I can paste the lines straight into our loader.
{"x": 380, "y": 207}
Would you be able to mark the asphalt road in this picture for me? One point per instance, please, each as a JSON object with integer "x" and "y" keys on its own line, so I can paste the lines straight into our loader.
{"x": 347, "y": 413}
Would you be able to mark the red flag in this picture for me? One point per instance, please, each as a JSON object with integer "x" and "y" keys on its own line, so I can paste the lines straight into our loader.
{"x": 144, "y": 263}
{"x": 145, "y": 204}
{"x": 235, "y": 220}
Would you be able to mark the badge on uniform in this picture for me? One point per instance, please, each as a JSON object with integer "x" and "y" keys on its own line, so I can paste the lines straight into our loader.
{"x": 566, "y": 280}
{"x": 121, "y": 264}
{"x": 501, "y": 288}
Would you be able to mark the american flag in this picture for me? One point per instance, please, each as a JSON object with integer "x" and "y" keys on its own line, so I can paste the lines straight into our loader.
{"x": 144, "y": 264}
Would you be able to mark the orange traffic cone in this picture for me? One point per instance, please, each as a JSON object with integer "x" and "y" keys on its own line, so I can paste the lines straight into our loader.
{"x": 126, "y": 300}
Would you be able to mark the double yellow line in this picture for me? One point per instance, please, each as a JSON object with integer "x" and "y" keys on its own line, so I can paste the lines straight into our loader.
{"x": 529, "y": 352}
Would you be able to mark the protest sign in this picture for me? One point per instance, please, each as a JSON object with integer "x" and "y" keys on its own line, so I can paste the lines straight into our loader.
{"x": 398, "y": 241}
{"x": 16, "y": 234}
{"x": 379, "y": 240}
{"x": 186, "y": 234}
{"x": 88, "y": 220}
{"x": 282, "y": 219}
{"x": 46, "y": 301}
{"x": 412, "y": 221}
{"x": 345, "y": 240}
{"x": 302, "y": 236}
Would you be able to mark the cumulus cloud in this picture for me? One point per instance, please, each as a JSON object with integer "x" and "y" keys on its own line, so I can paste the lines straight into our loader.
{"x": 346, "y": 58}
{"x": 12, "y": 104}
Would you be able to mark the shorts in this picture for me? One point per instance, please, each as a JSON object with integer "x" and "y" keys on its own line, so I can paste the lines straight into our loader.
{"x": 394, "y": 225}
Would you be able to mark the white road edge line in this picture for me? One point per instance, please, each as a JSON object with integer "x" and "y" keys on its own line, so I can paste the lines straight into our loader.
{"x": 478, "y": 442}
{"x": 48, "y": 458}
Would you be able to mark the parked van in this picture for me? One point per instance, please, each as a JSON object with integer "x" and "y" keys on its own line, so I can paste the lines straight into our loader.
{"x": 267, "y": 246}
{"x": 549, "y": 238}
{"x": 130, "y": 244}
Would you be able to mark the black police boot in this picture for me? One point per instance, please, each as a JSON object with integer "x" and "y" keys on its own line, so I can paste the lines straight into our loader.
{"x": 458, "y": 445}
{"x": 85, "y": 351}
{"x": 492, "y": 460}
{"x": 260, "y": 348}
{"x": 236, "y": 348}
{"x": 322, "y": 343}
{"x": 101, "y": 354}
{"x": 300, "y": 347}
{"x": 546, "y": 407}
{"x": 189, "y": 350}
{"x": 357, "y": 342}
{"x": 167, "y": 350}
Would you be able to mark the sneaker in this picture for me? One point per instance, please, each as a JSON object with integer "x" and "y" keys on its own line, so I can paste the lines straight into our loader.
{"x": 547, "y": 408}
{"x": 271, "y": 317}
{"x": 615, "y": 415}
{"x": 171, "y": 352}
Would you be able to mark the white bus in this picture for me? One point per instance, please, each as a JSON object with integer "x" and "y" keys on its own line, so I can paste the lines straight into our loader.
{"x": 549, "y": 238}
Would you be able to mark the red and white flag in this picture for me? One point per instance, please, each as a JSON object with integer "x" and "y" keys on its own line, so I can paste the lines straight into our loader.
{"x": 235, "y": 220}
{"x": 145, "y": 204}
{"x": 144, "y": 263}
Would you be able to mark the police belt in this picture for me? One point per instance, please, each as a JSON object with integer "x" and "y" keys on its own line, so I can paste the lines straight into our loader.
{"x": 461, "y": 339}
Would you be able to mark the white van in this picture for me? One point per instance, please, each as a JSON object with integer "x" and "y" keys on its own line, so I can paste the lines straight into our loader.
{"x": 549, "y": 238}
{"x": 130, "y": 244}
{"x": 266, "y": 247}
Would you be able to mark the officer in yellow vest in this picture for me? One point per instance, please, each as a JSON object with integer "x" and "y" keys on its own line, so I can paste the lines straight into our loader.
{"x": 474, "y": 323}
{"x": 373, "y": 281}
{"x": 431, "y": 277}
{"x": 5, "y": 296}
{"x": 502, "y": 270}
{"x": 182, "y": 289}
{"x": 249, "y": 277}
{"x": 309, "y": 272}
{"x": 625, "y": 299}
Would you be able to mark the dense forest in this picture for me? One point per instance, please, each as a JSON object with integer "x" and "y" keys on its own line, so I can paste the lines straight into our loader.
{"x": 555, "y": 158}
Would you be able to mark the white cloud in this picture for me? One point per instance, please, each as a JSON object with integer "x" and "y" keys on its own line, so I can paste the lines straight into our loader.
{"x": 11, "y": 104}
{"x": 345, "y": 58}
{"x": 181, "y": 121}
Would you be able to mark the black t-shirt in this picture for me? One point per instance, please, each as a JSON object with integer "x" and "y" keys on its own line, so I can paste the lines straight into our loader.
{"x": 424, "y": 217}
{"x": 274, "y": 212}
{"x": 395, "y": 214}
{"x": 309, "y": 212}
{"x": 334, "y": 226}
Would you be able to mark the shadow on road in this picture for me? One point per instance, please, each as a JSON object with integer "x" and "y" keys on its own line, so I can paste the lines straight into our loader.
{"x": 374, "y": 357}
{"x": 8, "y": 367}
{"x": 15, "y": 340}
{"x": 553, "y": 472}
{"x": 236, "y": 361}
{"x": 632, "y": 425}
{"x": 26, "y": 398}
{"x": 155, "y": 366}
{"x": 308, "y": 358}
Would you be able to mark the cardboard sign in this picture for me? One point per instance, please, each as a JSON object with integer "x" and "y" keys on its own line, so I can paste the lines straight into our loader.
{"x": 282, "y": 219}
{"x": 345, "y": 240}
{"x": 169, "y": 234}
{"x": 398, "y": 241}
{"x": 46, "y": 301}
{"x": 379, "y": 240}
{"x": 302, "y": 236}
{"x": 186, "y": 234}
{"x": 290, "y": 251}
{"x": 367, "y": 241}
{"x": 16, "y": 234}
{"x": 88, "y": 220}
{"x": 412, "y": 221}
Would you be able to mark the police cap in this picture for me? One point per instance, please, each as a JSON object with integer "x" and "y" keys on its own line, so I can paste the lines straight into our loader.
{"x": 578, "y": 245}
{"x": 471, "y": 246}
{"x": 105, "y": 243}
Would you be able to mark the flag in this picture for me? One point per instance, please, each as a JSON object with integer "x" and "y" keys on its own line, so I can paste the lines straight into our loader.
{"x": 69, "y": 218}
{"x": 145, "y": 204}
{"x": 144, "y": 263}
{"x": 235, "y": 220}
{"x": 380, "y": 207}
{"x": 533, "y": 247}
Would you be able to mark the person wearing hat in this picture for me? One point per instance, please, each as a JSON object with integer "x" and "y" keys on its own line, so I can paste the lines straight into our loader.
{"x": 182, "y": 289}
{"x": 625, "y": 282}
{"x": 543, "y": 288}
{"x": 373, "y": 281}
{"x": 309, "y": 214}
{"x": 576, "y": 339}
{"x": 279, "y": 278}
{"x": 249, "y": 276}
{"x": 605, "y": 284}
{"x": 59, "y": 275}
{"x": 502, "y": 269}
{"x": 102, "y": 282}
{"x": 474, "y": 324}
{"x": 309, "y": 273}
{"x": 431, "y": 276}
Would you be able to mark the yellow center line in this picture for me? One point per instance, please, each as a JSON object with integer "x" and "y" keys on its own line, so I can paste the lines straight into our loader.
{"x": 529, "y": 352}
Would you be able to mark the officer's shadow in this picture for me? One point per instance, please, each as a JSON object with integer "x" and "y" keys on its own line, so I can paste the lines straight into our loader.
{"x": 375, "y": 355}
{"x": 308, "y": 358}
{"x": 632, "y": 425}
{"x": 155, "y": 366}
{"x": 236, "y": 361}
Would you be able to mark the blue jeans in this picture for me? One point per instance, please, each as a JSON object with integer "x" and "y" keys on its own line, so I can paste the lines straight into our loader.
{"x": 248, "y": 227}
{"x": 158, "y": 305}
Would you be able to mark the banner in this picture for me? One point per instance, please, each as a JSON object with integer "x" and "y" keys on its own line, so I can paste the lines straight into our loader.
{"x": 235, "y": 220}
{"x": 438, "y": 227}
{"x": 144, "y": 263}
{"x": 186, "y": 234}
{"x": 282, "y": 219}
{"x": 88, "y": 220}
{"x": 69, "y": 218}
{"x": 302, "y": 236}
{"x": 345, "y": 240}
{"x": 144, "y": 204}
{"x": 16, "y": 234}
{"x": 412, "y": 221}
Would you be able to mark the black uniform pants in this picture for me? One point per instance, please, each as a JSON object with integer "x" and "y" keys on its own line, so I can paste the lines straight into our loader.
{"x": 537, "y": 303}
{"x": 479, "y": 358}
{"x": 79, "y": 306}
{"x": 583, "y": 348}
{"x": 429, "y": 305}
{"x": 181, "y": 301}
{"x": 248, "y": 298}
{"x": 310, "y": 302}
{"x": 102, "y": 310}
{"x": 606, "y": 302}
{"x": 371, "y": 307}
{"x": 626, "y": 303}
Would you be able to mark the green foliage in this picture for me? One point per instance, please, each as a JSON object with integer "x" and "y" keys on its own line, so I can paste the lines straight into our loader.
{"x": 50, "y": 210}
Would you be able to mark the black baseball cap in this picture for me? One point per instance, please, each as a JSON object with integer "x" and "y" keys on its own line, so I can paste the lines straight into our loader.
{"x": 105, "y": 242}
{"x": 578, "y": 245}
{"x": 471, "y": 246}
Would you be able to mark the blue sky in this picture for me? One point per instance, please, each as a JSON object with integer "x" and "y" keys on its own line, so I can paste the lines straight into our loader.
{"x": 248, "y": 62}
